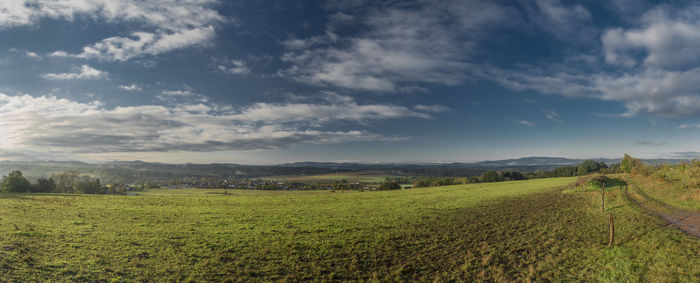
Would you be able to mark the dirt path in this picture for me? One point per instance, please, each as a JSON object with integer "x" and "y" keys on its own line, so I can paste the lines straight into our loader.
{"x": 686, "y": 221}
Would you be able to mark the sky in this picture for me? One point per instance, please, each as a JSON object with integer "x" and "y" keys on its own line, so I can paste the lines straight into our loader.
{"x": 266, "y": 82}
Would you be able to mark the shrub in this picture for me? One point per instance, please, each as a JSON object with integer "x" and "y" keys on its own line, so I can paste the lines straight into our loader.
{"x": 88, "y": 187}
{"x": 389, "y": 186}
{"x": 596, "y": 181}
{"x": 662, "y": 174}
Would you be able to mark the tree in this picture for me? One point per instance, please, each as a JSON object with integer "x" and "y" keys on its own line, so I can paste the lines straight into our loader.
{"x": 65, "y": 181}
{"x": 389, "y": 186}
{"x": 491, "y": 176}
{"x": 44, "y": 185}
{"x": 511, "y": 175}
{"x": 614, "y": 168}
{"x": 540, "y": 174}
{"x": 14, "y": 182}
{"x": 568, "y": 171}
{"x": 590, "y": 166}
{"x": 628, "y": 163}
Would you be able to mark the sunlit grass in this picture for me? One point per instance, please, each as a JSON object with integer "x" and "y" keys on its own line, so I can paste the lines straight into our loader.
{"x": 525, "y": 230}
{"x": 675, "y": 193}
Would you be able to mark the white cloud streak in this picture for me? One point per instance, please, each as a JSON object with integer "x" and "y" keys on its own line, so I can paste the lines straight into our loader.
{"x": 525, "y": 123}
{"x": 688, "y": 126}
{"x": 338, "y": 108}
{"x": 553, "y": 115}
{"x": 85, "y": 72}
{"x": 142, "y": 43}
{"x": 132, "y": 87}
{"x": 431, "y": 108}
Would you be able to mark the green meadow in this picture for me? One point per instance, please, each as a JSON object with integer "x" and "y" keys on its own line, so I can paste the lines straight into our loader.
{"x": 508, "y": 231}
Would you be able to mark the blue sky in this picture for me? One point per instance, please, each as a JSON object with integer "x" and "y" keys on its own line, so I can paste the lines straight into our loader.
{"x": 263, "y": 82}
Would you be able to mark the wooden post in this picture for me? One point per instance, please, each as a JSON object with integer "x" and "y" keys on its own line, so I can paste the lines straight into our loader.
{"x": 602, "y": 195}
{"x": 611, "y": 225}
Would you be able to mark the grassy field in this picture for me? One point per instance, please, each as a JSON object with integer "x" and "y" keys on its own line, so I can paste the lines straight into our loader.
{"x": 527, "y": 230}
{"x": 673, "y": 193}
{"x": 363, "y": 177}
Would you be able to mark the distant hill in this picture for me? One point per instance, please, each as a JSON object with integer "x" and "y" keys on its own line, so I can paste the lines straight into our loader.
{"x": 133, "y": 171}
{"x": 540, "y": 161}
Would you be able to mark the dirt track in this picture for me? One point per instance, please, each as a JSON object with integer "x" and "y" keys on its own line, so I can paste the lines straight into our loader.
{"x": 686, "y": 221}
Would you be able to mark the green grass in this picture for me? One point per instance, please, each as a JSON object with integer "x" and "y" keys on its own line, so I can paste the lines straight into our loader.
{"x": 672, "y": 193}
{"x": 508, "y": 231}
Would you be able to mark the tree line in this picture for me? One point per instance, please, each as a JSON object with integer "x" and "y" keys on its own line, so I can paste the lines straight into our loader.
{"x": 66, "y": 182}
{"x": 585, "y": 168}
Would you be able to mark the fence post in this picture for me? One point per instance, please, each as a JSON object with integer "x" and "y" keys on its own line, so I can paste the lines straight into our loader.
{"x": 602, "y": 196}
{"x": 611, "y": 226}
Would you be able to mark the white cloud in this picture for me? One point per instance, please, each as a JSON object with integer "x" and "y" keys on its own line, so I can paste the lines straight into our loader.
{"x": 644, "y": 91}
{"x": 33, "y": 55}
{"x": 142, "y": 43}
{"x": 525, "y": 123}
{"x": 28, "y": 54}
{"x": 687, "y": 126}
{"x": 132, "y": 87}
{"x": 653, "y": 69}
{"x": 164, "y": 14}
{"x": 66, "y": 126}
{"x": 235, "y": 67}
{"x": 86, "y": 72}
{"x": 337, "y": 108}
{"x": 183, "y": 96}
{"x": 667, "y": 39}
{"x": 178, "y": 92}
{"x": 400, "y": 46}
{"x": 173, "y": 24}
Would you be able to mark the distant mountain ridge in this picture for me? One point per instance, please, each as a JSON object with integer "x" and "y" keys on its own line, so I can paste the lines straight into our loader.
{"x": 130, "y": 171}
{"x": 539, "y": 161}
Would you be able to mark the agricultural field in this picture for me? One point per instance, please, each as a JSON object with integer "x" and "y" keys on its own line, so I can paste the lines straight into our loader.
{"x": 362, "y": 177}
{"x": 535, "y": 230}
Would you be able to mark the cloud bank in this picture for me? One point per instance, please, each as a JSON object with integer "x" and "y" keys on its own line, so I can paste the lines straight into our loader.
{"x": 62, "y": 125}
